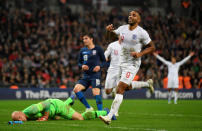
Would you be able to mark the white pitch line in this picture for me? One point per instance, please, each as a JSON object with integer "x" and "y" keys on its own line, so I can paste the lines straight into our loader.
{"x": 152, "y": 114}
{"x": 112, "y": 127}
{"x": 131, "y": 128}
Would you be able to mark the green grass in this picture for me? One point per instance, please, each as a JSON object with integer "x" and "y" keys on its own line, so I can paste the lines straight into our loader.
{"x": 135, "y": 115}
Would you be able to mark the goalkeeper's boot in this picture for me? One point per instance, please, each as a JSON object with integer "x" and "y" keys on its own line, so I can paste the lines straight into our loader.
{"x": 113, "y": 117}
{"x": 89, "y": 109}
{"x": 151, "y": 88}
{"x": 105, "y": 119}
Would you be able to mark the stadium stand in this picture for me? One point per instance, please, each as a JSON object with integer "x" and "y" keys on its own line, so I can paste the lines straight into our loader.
{"x": 39, "y": 48}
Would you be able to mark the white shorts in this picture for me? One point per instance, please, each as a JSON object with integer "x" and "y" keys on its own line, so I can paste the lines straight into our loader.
{"x": 128, "y": 73}
{"x": 173, "y": 83}
{"x": 112, "y": 79}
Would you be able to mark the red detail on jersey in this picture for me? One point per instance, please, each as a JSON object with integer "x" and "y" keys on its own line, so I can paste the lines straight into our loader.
{"x": 122, "y": 38}
{"x": 127, "y": 74}
{"x": 115, "y": 52}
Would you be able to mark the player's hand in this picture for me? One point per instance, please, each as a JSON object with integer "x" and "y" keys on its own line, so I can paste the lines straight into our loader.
{"x": 85, "y": 67}
{"x": 136, "y": 54}
{"x": 110, "y": 28}
{"x": 155, "y": 54}
{"x": 96, "y": 69}
{"x": 192, "y": 53}
{"x": 42, "y": 119}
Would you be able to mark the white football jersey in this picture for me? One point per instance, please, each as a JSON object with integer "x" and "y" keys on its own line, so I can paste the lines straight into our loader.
{"x": 131, "y": 41}
{"x": 113, "y": 51}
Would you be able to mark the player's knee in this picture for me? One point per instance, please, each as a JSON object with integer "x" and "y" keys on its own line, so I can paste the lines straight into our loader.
{"x": 76, "y": 89}
{"x": 121, "y": 88}
{"x": 96, "y": 91}
{"x": 80, "y": 118}
{"x": 108, "y": 91}
{"x": 77, "y": 116}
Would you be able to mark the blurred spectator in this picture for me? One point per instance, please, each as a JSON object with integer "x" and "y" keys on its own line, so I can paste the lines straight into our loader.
{"x": 39, "y": 48}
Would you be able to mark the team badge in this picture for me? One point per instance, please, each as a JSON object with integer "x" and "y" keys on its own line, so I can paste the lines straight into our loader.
{"x": 97, "y": 82}
{"x": 134, "y": 37}
{"x": 94, "y": 52}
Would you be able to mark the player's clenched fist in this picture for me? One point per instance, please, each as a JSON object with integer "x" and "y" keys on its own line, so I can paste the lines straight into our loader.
{"x": 110, "y": 27}
{"x": 191, "y": 54}
{"x": 135, "y": 54}
{"x": 96, "y": 69}
{"x": 85, "y": 67}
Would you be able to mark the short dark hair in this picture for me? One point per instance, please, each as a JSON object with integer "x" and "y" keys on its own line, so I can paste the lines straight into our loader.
{"x": 90, "y": 35}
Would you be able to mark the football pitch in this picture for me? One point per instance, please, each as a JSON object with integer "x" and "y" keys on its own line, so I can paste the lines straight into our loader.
{"x": 134, "y": 115}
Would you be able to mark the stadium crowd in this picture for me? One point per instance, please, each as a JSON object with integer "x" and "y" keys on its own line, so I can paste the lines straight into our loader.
{"x": 39, "y": 48}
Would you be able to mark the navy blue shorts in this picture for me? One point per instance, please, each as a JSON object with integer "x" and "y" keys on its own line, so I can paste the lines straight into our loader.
{"x": 87, "y": 82}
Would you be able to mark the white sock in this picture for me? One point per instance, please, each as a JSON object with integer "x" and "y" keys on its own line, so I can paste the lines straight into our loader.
{"x": 139, "y": 84}
{"x": 169, "y": 96}
{"x": 115, "y": 105}
{"x": 175, "y": 97}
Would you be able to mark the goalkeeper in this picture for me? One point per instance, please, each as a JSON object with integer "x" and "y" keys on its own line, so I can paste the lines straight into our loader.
{"x": 54, "y": 109}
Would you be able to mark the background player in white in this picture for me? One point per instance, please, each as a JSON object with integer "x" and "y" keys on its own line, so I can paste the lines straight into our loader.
{"x": 133, "y": 38}
{"x": 112, "y": 79}
{"x": 173, "y": 69}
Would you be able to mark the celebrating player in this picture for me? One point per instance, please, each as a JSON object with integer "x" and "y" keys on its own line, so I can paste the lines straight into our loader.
{"x": 53, "y": 109}
{"x": 91, "y": 59}
{"x": 132, "y": 38}
{"x": 113, "y": 76}
{"x": 173, "y": 68}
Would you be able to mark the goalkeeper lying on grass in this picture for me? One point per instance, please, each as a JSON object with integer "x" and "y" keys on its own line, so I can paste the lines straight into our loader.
{"x": 54, "y": 109}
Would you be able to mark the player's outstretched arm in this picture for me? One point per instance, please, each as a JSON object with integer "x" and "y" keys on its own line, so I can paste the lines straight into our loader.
{"x": 161, "y": 58}
{"x": 186, "y": 59}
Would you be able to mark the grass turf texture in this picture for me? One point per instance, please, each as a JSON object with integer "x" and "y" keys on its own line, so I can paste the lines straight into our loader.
{"x": 134, "y": 115}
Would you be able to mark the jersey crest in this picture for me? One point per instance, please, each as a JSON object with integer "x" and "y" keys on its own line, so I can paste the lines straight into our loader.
{"x": 94, "y": 52}
{"x": 134, "y": 37}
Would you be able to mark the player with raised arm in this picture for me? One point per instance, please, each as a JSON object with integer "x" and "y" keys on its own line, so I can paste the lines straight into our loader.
{"x": 54, "y": 109}
{"x": 173, "y": 69}
{"x": 113, "y": 75}
{"x": 91, "y": 59}
{"x": 132, "y": 38}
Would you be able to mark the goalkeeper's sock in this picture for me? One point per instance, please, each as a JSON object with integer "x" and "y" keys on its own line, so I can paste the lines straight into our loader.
{"x": 115, "y": 105}
{"x": 69, "y": 101}
{"x": 101, "y": 113}
{"x": 93, "y": 114}
{"x": 98, "y": 99}
{"x": 83, "y": 100}
{"x": 139, "y": 84}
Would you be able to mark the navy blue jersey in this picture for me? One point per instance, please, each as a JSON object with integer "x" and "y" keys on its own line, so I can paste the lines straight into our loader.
{"x": 92, "y": 58}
